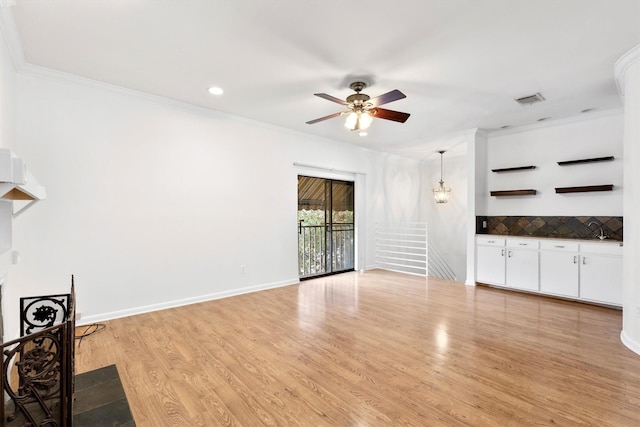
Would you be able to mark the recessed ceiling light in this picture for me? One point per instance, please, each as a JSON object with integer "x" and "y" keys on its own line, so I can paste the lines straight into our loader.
{"x": 363, "y": 134}
{"x": 214, "y": 90}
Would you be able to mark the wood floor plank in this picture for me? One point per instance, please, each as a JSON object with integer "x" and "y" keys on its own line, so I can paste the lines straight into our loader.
{"x": 377, "y": 349}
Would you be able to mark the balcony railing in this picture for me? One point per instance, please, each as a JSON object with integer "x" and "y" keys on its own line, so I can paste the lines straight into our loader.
{"x": 325, "y": 249}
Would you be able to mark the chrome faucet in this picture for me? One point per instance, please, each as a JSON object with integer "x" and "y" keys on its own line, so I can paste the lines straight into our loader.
{"x": 601, "y": 236}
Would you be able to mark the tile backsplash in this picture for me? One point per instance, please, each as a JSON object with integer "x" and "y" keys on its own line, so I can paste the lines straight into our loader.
{"x": 565, "y": 227}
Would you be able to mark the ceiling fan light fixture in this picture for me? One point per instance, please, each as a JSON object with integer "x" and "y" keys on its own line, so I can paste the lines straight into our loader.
{"x": 365, "y": 120}
{"x": 358, "y": 120}
{"x": 361, "y": 109}
{"x": 352, "y": 120}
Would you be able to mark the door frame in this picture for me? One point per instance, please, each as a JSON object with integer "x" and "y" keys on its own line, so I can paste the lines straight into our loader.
{"x": 359, "y": 196}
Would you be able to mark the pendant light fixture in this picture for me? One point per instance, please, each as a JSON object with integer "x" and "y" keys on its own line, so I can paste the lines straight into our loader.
{"x": 441, "y": 193}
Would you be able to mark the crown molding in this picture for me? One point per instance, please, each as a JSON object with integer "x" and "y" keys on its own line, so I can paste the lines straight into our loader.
{"x": 74, "y": 79}
{"x": 622, "y": 65}
{"x": 559, "y": 122}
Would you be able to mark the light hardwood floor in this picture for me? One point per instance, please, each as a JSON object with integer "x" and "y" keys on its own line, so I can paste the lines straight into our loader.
{"x": 373, "y": 349}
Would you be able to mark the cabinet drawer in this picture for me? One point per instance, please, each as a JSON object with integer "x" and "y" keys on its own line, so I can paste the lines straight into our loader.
{"x": 522, "y": 243}
{"x": 601, "y": 248}
{"x": 490, "y": 241}
{"x": 559, "y": 246}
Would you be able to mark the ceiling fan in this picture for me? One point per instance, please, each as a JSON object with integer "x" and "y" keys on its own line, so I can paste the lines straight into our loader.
{"x": 362, "y": 109}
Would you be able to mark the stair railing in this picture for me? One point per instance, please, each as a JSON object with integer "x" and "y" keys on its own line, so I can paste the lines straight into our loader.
{"x": 38, "y": 368}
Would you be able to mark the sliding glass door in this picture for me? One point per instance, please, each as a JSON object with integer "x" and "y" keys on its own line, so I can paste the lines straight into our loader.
{"x": 325, "y": 226}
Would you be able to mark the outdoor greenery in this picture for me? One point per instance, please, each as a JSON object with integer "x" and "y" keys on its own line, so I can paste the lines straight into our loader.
{"x": 316, "y": 217}
{"x": 312, "y": 239}
{"x": 311, "y": 216}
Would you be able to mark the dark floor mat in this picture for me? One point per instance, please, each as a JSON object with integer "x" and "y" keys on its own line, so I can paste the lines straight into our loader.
{"x": 100, "y": 400}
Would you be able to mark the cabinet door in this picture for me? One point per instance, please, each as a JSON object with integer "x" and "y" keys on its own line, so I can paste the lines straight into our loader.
{"x": 522, "y": 269}
{"x": 490, "y": 266}
{"x": 559, "y": 273}
{"x": 601, "y": 278}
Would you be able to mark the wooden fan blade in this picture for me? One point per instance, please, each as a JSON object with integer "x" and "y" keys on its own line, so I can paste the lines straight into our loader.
{"x": 385, "y": 98}
{"x": 331, "y": 116}
{"x": 331, "y": 98}
{"x": 396, "y": 116}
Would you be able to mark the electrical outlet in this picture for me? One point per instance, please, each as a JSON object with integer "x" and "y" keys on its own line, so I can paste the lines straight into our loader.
{"x": 78, "y": 315}
{"x": 242, "y": 268}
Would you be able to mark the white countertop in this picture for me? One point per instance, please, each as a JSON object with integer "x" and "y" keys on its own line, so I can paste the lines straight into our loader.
{"x": 564, "y": 239}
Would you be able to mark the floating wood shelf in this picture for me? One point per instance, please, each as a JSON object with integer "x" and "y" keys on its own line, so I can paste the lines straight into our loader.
{"x": 519, "y": 168}
{"x": 585, "y": 189}
{"x": 592, "y": 160}
{"x": 513, "y": 193}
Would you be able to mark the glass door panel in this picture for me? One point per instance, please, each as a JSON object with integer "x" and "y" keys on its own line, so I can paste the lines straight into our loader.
{"x": 342, "y": 226}
{"x": 325, "y": 226}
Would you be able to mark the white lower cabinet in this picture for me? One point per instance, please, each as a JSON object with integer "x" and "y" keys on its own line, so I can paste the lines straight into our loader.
{"x": 522, "y": 264}
{"x": 601, "y": 273}
{"x": 580, "y": 270}
{"x": 490, "y": 255}
{"x": 559, "y": 269}
{"x": 507, "y": 262}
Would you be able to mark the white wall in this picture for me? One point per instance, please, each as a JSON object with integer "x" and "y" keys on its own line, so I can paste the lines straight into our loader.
{"x": 7, "y": 93}
{"x": 477, "y": 196}
{"x": 595, "y": 135}
{"x": 628, "y": 79}
{"x": 447, "y": 222}
{"x": 398, "y": 189}
{"x": 151, "y": 203}
{"x": 8, "y": 79}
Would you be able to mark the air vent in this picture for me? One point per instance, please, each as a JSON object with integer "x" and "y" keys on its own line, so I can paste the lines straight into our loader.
{"x": 530, "y": 99}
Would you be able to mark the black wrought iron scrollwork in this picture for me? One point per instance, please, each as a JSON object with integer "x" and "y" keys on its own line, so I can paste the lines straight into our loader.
{"x": 37, "y": 313}
{"x": 38, "y": 369}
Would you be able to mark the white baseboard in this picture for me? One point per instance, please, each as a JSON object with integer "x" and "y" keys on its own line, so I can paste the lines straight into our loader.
{"x": 630, "y": 343}
{"x": 186, "y": 301}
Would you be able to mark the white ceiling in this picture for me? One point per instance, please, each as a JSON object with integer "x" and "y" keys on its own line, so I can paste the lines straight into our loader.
{"x": 461, "y": 63}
